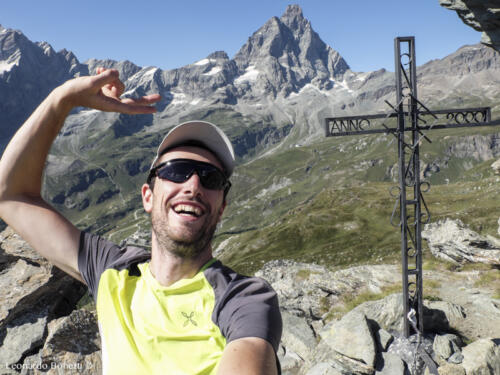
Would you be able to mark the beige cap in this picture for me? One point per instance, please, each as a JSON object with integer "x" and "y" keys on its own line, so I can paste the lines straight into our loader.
{"x": 205, "y": 133}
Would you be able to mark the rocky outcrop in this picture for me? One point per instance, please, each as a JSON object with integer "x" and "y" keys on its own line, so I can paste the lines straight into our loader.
{"x": 310, "y": 291}
{"x": 367, "y": 339}
{"x": 482, "y": 15}
{"x": 452, "y": 241}
{"x": 34, "y": 296}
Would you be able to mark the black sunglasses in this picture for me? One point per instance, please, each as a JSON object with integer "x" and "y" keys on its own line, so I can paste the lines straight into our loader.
{"x": 181, "y": 170}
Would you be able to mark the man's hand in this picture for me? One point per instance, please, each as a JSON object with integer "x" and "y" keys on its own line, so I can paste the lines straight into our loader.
{"x": 102, "y": 91}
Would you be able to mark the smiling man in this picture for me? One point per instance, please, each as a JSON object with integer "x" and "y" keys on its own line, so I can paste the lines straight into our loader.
{"x": 176, "y": 309}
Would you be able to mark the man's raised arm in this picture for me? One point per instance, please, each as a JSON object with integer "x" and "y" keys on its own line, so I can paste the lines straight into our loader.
{"x": 22, "y": 163}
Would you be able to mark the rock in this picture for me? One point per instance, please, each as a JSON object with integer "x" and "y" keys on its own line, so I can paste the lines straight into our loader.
{"x": 446, "y": 345}
{"x": 440, "y": 316}
{"x": 387, "y": 312}
{"x": 383, "y": 339}
{"x": 482, "y": 357}
{"x": 391, "y": 364}
{"x": 456, "y": 358}
{"x": 481, "y": 15}
{"x": 290, "y": 362}
{"x": 21, "y": 337}
{"x": 323, "y": 368}
{"x": 310, "y": 291}
{"x": 451, "y": 240}
{"x": 406, "y": 349}
{"x": 451, "y": 369}
{"x": 496, "y": 167}
{"x": 352, "y": 341}
{"x": 32, "y": 293}
{"x": 298, "y": 341}
{"x": 65, "y": 352}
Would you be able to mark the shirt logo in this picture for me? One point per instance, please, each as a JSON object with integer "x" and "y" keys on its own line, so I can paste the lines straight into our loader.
{"x": 189, "y": 319}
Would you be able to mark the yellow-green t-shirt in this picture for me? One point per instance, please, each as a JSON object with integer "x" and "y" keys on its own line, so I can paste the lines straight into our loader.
{"x": 181, "y": 329}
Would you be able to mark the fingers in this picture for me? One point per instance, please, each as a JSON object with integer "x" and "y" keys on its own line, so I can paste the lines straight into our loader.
{"x": 109, "y": 82}
{"x": 145, "y": 100}
{"x": 110, "y": 88}
{"x": 105, "y": 76}
{"x": 128, "y": 105}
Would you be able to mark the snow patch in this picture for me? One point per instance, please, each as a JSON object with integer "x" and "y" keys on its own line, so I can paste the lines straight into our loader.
{"x": 129, "y": 92}
{"x": 195, "y": 101}
{"x": 213, "y": 71}
{"x": 88, "y": 112}
{"x": 204, "y": 62}
{"x": 150, "y": 71}
{"x": 362, "y": 77}
{"x": 178, "y": 98}
{"x": 250, "y": 75}
{"x": 6, "y": 66}
{"x": 342, "y": 85}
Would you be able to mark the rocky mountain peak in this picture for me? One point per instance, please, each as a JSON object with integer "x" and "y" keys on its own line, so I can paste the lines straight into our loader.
{"x": 288, "y": 54}
{"x": 218, "y": 55}
{"x": 293, "y": 18}
{"x": 29, "y": 71}
{"x": 125, "y": 67}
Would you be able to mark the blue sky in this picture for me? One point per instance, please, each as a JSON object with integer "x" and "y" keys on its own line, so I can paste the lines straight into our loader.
{"x": 169, "y": 34}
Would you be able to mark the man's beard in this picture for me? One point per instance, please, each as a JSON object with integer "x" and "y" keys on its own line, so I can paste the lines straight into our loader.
{"x": 188, "y": 248}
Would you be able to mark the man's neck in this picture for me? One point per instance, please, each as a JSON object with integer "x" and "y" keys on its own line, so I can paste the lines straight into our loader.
{"x": 167, "y": 268}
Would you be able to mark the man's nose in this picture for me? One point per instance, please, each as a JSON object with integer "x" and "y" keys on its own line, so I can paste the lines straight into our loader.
{"x": 192, "y": 184}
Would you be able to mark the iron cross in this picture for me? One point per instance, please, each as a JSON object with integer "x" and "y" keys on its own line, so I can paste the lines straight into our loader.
{"x": 410, "y": 114}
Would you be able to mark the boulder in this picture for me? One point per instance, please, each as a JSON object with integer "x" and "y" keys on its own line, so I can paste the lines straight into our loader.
{"x": 310, "y": 291}
{"x": 482, "y": 357}
{"x": 391, "y": 364}
{"x": 481, "y": 15}
{"x": 453, "y": 241}
{"x": 383, "y": 339}
{"x": 323, "y": 368}
{"x": 387, "y": 312}
{"x": 446, "y": 345}
{"x": 33, "y": 293}
{"x": 440, "y": 316}
{"x": 451, "y": 369}
{"x": 298, "y": 342}
{"x": 351, "y": 343}
{"x": 22, "y": 335}
{"x": 496, "y": 167}
{"x": 64, "y": 351}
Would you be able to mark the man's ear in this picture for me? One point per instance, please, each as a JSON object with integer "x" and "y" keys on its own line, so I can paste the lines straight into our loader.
{"x": 221, "y": 210}
{"x": 147, "y": 198}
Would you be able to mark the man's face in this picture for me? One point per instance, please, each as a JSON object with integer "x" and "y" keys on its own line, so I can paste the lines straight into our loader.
{"x": 184, "y": 215}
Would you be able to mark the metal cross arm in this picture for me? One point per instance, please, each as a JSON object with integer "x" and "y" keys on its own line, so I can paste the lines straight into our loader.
{"x": 364, "y": 124}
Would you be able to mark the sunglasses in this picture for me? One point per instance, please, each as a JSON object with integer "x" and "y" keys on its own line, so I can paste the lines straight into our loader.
{"x": 181, "y": 170}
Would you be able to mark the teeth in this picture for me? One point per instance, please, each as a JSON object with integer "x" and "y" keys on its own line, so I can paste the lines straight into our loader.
{"x": 185, "y": 208}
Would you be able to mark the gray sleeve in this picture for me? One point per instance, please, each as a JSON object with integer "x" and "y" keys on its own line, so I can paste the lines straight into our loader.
{"x": 97, "y": 254}
{"x": 248, "y": 307}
